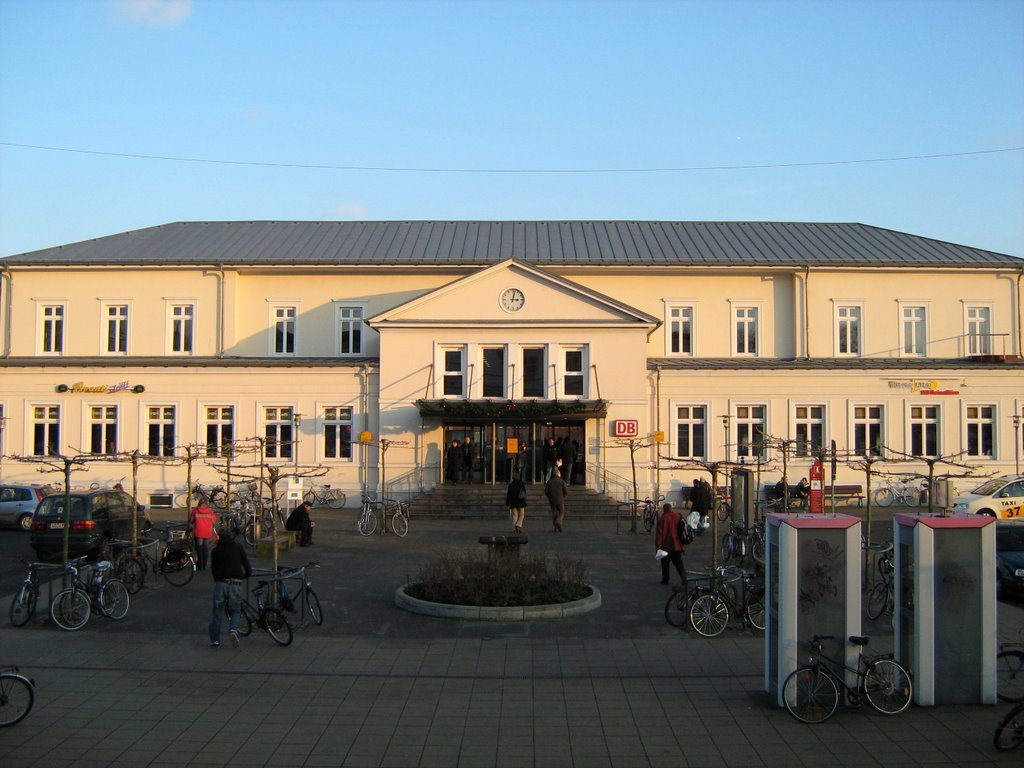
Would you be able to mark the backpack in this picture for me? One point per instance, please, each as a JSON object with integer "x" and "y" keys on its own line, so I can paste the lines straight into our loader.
{"x": 684, "y": 531}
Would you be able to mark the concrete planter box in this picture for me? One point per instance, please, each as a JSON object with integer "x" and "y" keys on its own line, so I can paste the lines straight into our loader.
{"x": 498, "y": 613}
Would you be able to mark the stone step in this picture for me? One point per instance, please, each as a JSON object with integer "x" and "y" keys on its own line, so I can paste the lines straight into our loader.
{"x": 487, "y": 502}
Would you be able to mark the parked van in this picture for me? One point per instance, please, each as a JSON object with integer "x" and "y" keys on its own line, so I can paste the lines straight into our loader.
{"x": 97, "y": 518}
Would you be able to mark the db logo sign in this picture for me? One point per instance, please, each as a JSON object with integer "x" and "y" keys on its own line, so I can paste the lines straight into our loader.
{"x": 626, "y": 428}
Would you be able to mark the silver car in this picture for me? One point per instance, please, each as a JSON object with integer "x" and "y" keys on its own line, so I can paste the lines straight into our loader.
{"x": 17, "y": 503}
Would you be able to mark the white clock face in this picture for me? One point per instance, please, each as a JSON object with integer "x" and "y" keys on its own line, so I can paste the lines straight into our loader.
{"x": 512, "y": 299}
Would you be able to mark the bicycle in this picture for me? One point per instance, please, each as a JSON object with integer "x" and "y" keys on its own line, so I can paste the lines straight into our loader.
{"x": 23, "y": 605}
{"x": 713, "y": 606}
{"x": 267, "y": 617}
{"x": 734, "y": 543}
{"x": 399, "y": 515}
{"x": 318, "y": 495}
{"x": 757, "y": 542}
{"x": 1010, "y": 672}
{"x": 367, "y": 520}
{"x": 811, "y": 693}
{"x": 96, "y": 589}
{"x": 1010, "y": 730}
{"x": 176, "y": 562}
{"x": 881, "y": 599}
{"x": 202, "y": 496}
{"x": 17, "y": 693}
{"x": 901, "y": 492}
{"x": 723, "y": 508}
{"x": 308, "y": 602}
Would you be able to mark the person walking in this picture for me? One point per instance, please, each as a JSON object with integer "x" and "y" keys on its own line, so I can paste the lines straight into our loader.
{"x": 300, "y": 521}
{"x": 555, "y": 489}
{"x": 515, "y": 500}
{"x": 568, "y": 457}
{"x": 468, "y": 458}
{"x": 202, "y": 521}
{"x": 700, "y": 502}
{"x": 666, "y": 539}
{"x": 453, "y": 462}
{"x": 550, "y": 455}
{"x": 229, "y": 565}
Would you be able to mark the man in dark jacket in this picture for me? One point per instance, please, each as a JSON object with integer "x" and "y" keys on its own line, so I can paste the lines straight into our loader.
{"x": 453, "y": 462}
{"x": 555, "y": 489}
{"x": 300, "y": 521}
{"x": 229, "y": 565}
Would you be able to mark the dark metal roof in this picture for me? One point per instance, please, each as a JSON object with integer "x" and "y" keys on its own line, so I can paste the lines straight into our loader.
{"x": 917, "y": 365}
{"x": 550, "y": 243}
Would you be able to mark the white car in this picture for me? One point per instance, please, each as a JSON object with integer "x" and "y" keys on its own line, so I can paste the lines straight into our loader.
{"x": 1001, "y": 497}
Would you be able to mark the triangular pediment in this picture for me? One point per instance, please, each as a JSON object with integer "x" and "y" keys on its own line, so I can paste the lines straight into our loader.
{"x": 513, "y": 293}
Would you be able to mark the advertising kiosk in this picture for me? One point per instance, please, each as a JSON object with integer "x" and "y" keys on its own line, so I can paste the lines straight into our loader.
{"x": 945, "y": 615}
{"x": 813, "y": 584}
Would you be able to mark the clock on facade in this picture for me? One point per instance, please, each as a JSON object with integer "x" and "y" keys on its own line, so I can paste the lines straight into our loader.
{"x": 512, "y": 299}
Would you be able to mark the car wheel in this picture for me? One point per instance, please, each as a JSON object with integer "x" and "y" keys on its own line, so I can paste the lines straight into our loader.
{"x": 986, "y": 512}
{"x": 25, "y": 522}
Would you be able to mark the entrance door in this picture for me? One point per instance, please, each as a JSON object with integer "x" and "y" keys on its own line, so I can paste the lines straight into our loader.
{"x": 494, "y": 462}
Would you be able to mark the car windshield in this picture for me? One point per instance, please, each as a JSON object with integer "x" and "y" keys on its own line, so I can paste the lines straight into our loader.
{"x": 52, "y": 507}
{"x": 1010, "y": 539}
{"x": 987, "y": 489}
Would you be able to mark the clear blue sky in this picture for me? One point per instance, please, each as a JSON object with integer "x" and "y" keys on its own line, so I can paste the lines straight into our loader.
{"x": 264, "y": 87}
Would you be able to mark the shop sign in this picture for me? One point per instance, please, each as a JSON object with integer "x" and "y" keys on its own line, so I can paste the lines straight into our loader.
{"x": 626, "y": 427}
{"x": 81, "y": 388}
{"x": 922, "y": 387}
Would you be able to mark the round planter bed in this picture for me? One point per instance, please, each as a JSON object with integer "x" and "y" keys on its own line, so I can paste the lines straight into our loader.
{"x": 498, "y": 613}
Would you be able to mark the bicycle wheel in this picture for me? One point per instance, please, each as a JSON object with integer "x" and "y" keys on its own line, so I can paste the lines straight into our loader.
{"x": 677, "y": 609}
{"x": 1010, "y": 731}
{"x": 177, "y": 566}
{"x": 367, "y": 523}
{"x": 725, "y": 551}
{"x": 400, "y": 524}
{"x": 757, "y": 549}
{"x": 883, "y": 497}
{"x": 724, "y": 511}
{"x": 649, "y": 517}
{"x": 132, "y": 573}
{"x": 114, "y": 600}
{"x": 16, "y": 696}
{"x": 309, "y": 496}
{"x": 70, "y": 609}
{"x": 23, "y": 606}
{"x": 249, "y": 533}
{"x": 878, "y": 600}
{"x": 335, "y": 498}
{"x": 247, "y": 616}
{"x": 1009, "y": 674}
{"x": 755, "y": 609}
{"x": 277, "y": 626}
{"x": 313, "y": 603}
{"x": 810, "y": 695}
{"x": 886, "y": 686}
{"x": 709, "y": 615}
{"x": 219, "y": 499}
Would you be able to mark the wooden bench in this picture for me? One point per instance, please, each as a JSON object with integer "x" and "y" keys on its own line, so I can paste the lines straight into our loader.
{"x": 851, "y": 491}
{"x": 284, "y": 541}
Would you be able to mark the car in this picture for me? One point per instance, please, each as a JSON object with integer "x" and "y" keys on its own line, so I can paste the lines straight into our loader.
{"x": 97, "y": 517}
{"x": 1001, "y": 497}
{"x": 18, "y": 502}
{"x": 1010, "y": 559}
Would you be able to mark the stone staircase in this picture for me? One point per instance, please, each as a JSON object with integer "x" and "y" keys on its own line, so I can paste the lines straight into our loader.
{"x": 487, "y": 502}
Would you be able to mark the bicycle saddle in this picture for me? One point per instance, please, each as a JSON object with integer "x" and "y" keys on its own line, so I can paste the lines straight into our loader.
{"x": 859, "y": 639}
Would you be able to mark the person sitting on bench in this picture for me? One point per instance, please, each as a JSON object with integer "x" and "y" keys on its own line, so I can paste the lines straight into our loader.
{"x": 299, "y": 521}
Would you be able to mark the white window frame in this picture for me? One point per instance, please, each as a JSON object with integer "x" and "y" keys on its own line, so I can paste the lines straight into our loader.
{"x": 808, "y": 421}
{"x": 838, "y": 306}
{"x": 104, "y": 421}
{"x": 105, "y": 322}
{"x": 43, "y": 320}
{"x": 904, "y": 305}
{"x": 563, "y": 372}
{"x": 868, "y": 421}
{"x": 339, "y": 422}
{"x": 277, "y": 423}
{"x": 735, "y": 307}
{"x": 340, "y": 308}
{"x": 679, "y": 306}
{"x": 49, "y": 421}
{"x": 978, "y": 344}
{"x": 750, "y": 421}
{"x": 913, "y": 422}
{"x": 276, "y": 306}
{"x": 205, "y": 422}
{"x": 970, "y": 421}
{"x": 173, "y": 323}
{"x": 146, "y": 421}
{"x": 690, "y": 420}
{"x": 443, "y": 372}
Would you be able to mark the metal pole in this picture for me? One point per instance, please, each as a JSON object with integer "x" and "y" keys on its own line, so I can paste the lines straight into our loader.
{"x": 1016, "y": 443}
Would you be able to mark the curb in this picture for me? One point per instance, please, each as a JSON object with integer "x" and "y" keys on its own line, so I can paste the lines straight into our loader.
{"x": 498, "y": 613}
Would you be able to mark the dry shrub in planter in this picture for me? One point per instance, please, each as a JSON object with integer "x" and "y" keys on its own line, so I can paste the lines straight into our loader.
{"x": 469, "y": 577}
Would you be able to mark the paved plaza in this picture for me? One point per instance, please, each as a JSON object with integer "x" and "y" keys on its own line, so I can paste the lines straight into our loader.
{"x": 376, "y": 686}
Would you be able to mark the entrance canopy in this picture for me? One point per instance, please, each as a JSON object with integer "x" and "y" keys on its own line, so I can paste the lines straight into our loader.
{"x": 475, "y": 411}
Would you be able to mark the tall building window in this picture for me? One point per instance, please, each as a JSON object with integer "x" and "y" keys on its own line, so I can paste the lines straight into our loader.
{"x": 691, "y": 431}
{"x": 924, "y": 430}
{"x": 680, "y": 330}
{"x": 160, "y": 430}
{"x": 350, "y": 330}
{"x": 979, "y": 329}
{"x": 220, "y": 429}
{"x": 181, "y": 328}
{"x": 809, "y": 424}
{"x": 868, "y": 435}
{"x": 115, "y": 317}
{"x": 52, "y": 329}
{"x": 454, "y": 376}
{"x": 494, "y": 372}
{"x": 848, "y": 331}
{"x": 745, "y": 327}
{"x": 574, "y": 373}
{"x": 284, "y": 329}
{"x": 915, "y": 341}
{"x": 534, "y": 372}
{"x": 45, "y": 430}
{"x": 981, "y": 428}
{"x": 278, "y": 431}
{"x": 750, "y": 432}
{"x": 103, "y": 429}
{"x": 337, "y": 432}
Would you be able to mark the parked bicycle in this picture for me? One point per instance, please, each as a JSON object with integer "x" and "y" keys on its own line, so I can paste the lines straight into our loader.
{"x": 305, "y": 601}
{"x": 175, "y": 560}
{"x": 756, "y": 539}
{"x": 17, "y": 694}
{"x": 811, "y": 693}
{"x": 1010, "y": 730}
{"x": 93, "y": 587}
{"x": 319, "y": 495}
{"x": 734, "y": 543}
{"x": 366, "y": 523}
{"x": 904, "y": 493}
{"x": 881, "y": 599}
{"x": 264, "y": 614}
{"x": 1010, "y": 672}
{"x": 723, "y": 508}
{"x": 399, "y": 511}
{"x": 729, "y": 593}
{"x": 23, "y": 605}
{"x": 203, "y": 496}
